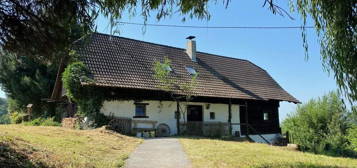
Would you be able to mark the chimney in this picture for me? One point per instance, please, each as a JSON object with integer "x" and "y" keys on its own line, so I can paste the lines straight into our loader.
{"x": 191, "y": 48}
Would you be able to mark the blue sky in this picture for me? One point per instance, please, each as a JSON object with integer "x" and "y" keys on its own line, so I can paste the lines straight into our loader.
{"x": 280, "y": 52}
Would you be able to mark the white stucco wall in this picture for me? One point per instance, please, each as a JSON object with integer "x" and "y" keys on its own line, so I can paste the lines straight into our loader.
{"x": 164, "y": 112}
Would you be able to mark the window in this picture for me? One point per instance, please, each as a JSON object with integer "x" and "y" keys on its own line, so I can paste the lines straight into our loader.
{"x": 191, "y": 71}
{"x": 140, "y": 110}
{"x": 212, "y": 116}
{"x": 266, "y": 116}
{"x": 168, "y": 68}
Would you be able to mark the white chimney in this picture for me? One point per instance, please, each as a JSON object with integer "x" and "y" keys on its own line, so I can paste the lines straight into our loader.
{"x": 191, "y": 48}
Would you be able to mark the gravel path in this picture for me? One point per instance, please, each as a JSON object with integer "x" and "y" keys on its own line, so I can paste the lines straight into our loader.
{"x": 158, "y": 153}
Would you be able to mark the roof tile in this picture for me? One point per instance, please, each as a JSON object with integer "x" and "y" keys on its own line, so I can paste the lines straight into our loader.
{"x": 127, "y": 63}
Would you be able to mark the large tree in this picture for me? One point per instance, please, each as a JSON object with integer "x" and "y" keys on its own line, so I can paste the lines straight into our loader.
{"x": 37, "y": 28}
{"x": 26, "y": 81}
{"x": 336, "y": 25}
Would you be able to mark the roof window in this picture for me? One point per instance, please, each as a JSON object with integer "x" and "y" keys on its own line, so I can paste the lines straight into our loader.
{"x": 168, "y": 68}
{"x": 191, "y": 71}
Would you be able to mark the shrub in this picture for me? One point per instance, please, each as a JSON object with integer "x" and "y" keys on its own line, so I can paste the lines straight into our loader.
{"x": 320, "y": 126}
{"x": 17, "y": 117}
{"x": 352, "y": 137}
{"x": 5, "y": 119}
{"x": 42, "y": 122}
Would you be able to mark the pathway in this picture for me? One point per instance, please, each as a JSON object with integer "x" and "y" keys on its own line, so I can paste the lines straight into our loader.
{"x": 159, "y": 153}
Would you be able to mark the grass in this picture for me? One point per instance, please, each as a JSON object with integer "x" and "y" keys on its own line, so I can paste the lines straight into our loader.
{"x": 39, "y": 146}
{"x": 208, "y": 153}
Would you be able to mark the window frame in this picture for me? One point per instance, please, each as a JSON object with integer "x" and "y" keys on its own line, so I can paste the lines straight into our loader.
{"x": 143, "y": 105}
{"x": 212, "y": 115}
{"x": 266, "y": 116}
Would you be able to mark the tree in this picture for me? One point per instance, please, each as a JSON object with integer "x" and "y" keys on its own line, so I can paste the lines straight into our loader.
{"x": 4, "y": 118}
{"x": 336, "y": 26}
{"x": 3, "y": 106}
{"x": 320, "y": 125}
{"x": 179, "y": 88}
{"x": 26, "y": 81}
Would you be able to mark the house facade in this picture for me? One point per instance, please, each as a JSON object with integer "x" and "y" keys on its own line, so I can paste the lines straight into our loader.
{"x": 234, "y": 94}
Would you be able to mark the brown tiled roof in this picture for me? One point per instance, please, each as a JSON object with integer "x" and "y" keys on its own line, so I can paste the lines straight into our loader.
{"x": 127, "y": 63}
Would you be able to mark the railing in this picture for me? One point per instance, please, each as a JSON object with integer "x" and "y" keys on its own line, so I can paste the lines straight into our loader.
{"x": 215, "y": 129}
{"x": 212, "y": 129}
{"x": 254, "y": 131}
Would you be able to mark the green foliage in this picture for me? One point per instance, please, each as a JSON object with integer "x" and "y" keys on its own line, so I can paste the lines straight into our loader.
{"x": 4, "y": 117}
{"x": 42, "y": 122}
{"x": 51, "y": 27}
{"x": 336, "y": 24}
{"x": 320, "y": 125}
{"x": 352, "y": 137}
{"x": 3, "y": 106}
{"x": 173, "y": 83}
{"x": 89, "y": 100}
{"x": 26, "y": 81}
{"x": 16, "y": 117}
{"x": 162, "y": 73}
{"x": 72, "y": 78}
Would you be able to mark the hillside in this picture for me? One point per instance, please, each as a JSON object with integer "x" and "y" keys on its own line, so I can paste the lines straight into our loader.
{"x": 208, "y": 153}
{"x": 29, "y": 146}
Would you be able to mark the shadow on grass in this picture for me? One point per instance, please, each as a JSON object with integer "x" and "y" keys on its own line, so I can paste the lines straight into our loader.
{"x": 17, "y": 158}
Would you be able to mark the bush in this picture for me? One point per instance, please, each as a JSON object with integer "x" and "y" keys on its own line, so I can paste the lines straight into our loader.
{"x": 5, "y": 119}
{"x": 320, "y": 126}
{"x": 352, "y": 137}
{"x": 17, "y": 117}
{"x": 42, "y": 122}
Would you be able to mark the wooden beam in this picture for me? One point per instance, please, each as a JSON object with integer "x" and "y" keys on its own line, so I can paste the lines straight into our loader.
{"x": 230, "y": 116}
{"x": 178, "y": 117}
{"x": 246, "y": 119}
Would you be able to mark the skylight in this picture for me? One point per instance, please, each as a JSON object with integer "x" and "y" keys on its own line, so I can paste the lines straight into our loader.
{"x": 168, "y": 68}
{"x": 191, "y": 71}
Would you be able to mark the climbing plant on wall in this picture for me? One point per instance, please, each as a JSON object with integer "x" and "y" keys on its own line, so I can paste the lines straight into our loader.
{"x": 89, "y": 100}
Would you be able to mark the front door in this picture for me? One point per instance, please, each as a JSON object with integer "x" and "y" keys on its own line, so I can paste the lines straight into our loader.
{"x": 194, "y": 113}
{"x": 194, "y": 120}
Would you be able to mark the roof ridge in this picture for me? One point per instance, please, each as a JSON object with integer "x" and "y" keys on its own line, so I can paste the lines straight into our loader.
{"x": 170, "y": 46}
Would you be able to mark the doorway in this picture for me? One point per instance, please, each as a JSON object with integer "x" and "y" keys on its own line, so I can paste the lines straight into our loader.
{"x": 194, "y": 113}
{"x": 194, "y": 125}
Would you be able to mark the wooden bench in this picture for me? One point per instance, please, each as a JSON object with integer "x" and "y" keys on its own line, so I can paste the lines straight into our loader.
{"x": 150, "y": 130}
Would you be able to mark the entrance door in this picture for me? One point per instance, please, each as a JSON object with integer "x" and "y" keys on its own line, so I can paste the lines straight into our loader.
{"x": 194, "y": 120}
{"x": 194, "y": 113}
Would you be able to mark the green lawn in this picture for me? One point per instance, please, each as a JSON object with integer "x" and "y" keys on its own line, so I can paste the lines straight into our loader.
{"x": 208, "y": 153}
{"x": 30, "y": 146}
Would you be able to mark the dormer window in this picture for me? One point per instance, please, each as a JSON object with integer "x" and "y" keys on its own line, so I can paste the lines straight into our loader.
{"x": 191, "y": 71}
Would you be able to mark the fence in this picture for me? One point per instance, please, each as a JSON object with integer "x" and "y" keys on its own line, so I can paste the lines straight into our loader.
{"x": 210, "y": 129}
{"x": 121, "y": 125}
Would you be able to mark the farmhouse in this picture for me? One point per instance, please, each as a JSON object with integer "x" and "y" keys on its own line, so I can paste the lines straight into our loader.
{"x": 231, "y": 95}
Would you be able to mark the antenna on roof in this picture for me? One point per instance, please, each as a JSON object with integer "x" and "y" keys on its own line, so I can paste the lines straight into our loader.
{"x": 190, "y": 37}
